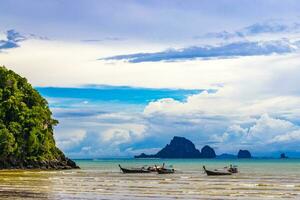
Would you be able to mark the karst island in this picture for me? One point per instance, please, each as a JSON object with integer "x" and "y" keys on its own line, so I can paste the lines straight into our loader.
{"x": 26, "y": 127}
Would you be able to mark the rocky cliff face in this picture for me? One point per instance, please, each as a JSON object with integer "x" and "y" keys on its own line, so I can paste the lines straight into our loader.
{"x": 26, "y": 127}
{"x": 181, "y": 147}
{"x": 208, "y": 152}
{"x": 244, "y": 154}
{"x": 283, "y": 156}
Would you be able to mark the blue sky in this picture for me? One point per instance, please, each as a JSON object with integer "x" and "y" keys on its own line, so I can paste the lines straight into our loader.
{"x": 124, "y": 77}
{"x": 128, "y": 95}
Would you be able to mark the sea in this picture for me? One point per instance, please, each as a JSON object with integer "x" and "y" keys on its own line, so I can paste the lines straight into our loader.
{"x": 102, "y": 179}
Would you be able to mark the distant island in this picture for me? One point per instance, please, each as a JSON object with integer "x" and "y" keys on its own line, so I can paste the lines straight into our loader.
{"x": 283, "y": 156}
{"x": 181, "y": 147}
{"x": 244, "y": 154}
{"x": 26, "y": 127}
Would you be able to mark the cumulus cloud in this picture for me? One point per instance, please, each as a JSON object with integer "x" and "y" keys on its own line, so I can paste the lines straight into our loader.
{"x": 229, "y": 122}
{"x": 265, "y": 133}
{"x": 123, "y": 134}
{"x": 203, "y": 103}
{"x": 289, "y": 137}
{"x": 69, "y": 138}
{"x": 235, "y": 49}
{"x": 233, "y": 134}
{"x": 227, "y": 102}
{"x": 266, "y": 128}
{"x": 99, "y": 134}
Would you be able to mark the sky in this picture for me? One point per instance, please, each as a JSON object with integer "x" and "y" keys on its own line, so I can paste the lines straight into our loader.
{"x": 125, "y": 76}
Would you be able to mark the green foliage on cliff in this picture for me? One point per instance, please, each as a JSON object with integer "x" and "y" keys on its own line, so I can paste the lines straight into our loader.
{"x": 26, "y": 125}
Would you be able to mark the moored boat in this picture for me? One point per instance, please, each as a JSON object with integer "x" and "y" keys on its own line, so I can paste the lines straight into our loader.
{"x": 164, "y": 170}
{"x": 216, "y": 172}
{"x": 134, "y": 170}
{"x": 155, "y": 168}
{"x": 233, "y": 169}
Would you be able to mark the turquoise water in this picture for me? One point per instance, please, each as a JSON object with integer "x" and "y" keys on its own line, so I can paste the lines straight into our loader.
{"x": 257, "y": 166}
{"x": 102, "y": 179}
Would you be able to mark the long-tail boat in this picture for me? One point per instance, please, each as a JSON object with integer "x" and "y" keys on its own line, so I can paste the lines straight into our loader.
{"x": 164, "y": 170}
{"x": 232, "y": 169}
{"x": 155, "y": 168}
{"x": 216, "y": 172}
{"x": 134, "y": 170}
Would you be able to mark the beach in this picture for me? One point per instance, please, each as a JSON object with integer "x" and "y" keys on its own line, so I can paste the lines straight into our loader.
{"x": 102, "y": 179}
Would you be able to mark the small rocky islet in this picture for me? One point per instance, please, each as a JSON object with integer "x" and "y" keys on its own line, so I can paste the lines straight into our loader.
{"x": 244, "y": 154}
{"x": 26, "y": 127}
{"x": 283, "y": 156}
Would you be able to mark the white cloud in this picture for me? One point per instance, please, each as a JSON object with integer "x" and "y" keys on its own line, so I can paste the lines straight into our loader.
{"x": 105, "y": 135}
{"x": 217, "y": 103}
{"x": 118, "y": 117}
{"x": 69, "y": 138}
{"x": 266, "y": 128}
{"x": 232, "y": 119}
{"x": 124, "y": 134}
{"x": 290, "y": 137}
{"x": 266, "y": 134}
{"x": 233, "y": 134}
{"x": 227, "y": 103}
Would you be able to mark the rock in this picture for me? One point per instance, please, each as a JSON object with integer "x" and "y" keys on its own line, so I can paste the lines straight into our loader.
{"x": 207, "y": 152}
{"x": 244, "y": 154}
{"x": 71, "y": 164}
{"x": 283, "y": 156}
{"x": 181, "y": 147}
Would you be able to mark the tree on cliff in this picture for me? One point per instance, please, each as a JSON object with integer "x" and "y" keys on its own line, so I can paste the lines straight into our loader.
{"x": 26, "y": 127}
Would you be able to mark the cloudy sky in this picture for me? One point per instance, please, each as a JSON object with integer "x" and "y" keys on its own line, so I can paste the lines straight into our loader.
{"x": 125, "y": 76}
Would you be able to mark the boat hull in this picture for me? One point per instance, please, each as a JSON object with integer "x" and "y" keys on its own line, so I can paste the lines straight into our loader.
{"x": 134, "y": 171}
{"x": 216, "y": 173}
{"x": 169, "y": 171}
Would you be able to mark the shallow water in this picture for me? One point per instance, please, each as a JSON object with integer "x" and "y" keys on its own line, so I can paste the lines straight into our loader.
{"x": 101, "y": 179}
